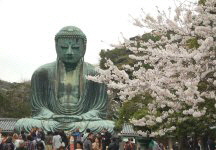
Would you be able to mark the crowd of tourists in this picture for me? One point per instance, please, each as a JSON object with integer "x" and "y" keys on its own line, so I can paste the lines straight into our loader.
{"x": 36, "y": 139}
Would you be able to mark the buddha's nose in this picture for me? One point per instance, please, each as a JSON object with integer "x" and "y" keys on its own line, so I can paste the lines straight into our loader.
{"x": 70, "y": 51}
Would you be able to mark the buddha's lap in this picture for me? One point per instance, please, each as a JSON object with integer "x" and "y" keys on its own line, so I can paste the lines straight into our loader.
{"x": 51, "y": 125}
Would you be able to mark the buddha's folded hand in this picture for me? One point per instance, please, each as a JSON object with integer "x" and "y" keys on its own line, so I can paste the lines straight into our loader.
{"x": 66, "y": 118}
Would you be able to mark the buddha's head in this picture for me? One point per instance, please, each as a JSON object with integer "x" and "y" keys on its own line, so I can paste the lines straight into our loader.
{"x": 70, "y": 44}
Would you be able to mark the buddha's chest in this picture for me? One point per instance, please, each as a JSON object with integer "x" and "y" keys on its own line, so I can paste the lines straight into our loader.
{"x": 69, "y": 88}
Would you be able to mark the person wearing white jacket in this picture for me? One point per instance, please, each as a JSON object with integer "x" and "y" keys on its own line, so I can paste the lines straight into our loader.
{"x": 56, "y": 141}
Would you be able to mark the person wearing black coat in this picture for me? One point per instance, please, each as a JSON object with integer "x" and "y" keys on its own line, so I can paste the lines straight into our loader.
{"x": 106, "y": 138}
{"x": 113, "y": 145}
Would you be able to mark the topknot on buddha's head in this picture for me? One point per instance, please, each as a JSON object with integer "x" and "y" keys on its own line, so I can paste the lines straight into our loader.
{"x": 71, "y": 32}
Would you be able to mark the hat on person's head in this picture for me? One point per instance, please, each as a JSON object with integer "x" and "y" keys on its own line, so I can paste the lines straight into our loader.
{"x": 88, "y": 130}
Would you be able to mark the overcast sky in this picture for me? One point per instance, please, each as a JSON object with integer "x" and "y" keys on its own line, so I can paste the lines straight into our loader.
{"x": 28, "y": 27}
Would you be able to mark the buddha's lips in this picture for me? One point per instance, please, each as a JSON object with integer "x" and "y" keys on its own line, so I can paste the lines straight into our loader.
{"x": 70, "y": 57}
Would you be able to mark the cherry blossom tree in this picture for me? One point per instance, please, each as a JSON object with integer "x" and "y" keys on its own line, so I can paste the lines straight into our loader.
{"x": 181, "y": 78}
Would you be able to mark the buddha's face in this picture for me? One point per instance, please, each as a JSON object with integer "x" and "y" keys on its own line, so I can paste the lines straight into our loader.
{"x": 70, "y": 50}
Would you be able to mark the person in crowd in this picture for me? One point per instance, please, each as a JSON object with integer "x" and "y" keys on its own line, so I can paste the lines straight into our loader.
{"x": 198, "y": 144}
{"x": 176, "y": 146}
{"x": 97, "y": 145}
{"x": 71, "y": 145}
{"x": 79, "y": 145}
{"x": 152, "y": 144}
{"x": 114, "y": 145}
{"x": 15, "y": 137}
{"x": 56, "y": 141}
{"x": 3, "y": 142}
{"x": 106, "y": 138}
{"x": 77, "y": 135}
{"x": 21, "y": 143}
{"x": 1, "y": 135}
{"x": 191, "y": 143}
{"x": 28, "y": 144}
{"x": 162, "y": 147}
{"x": 42, "y": 134}
{"x": 40, "y": 146}
{"x": 48, "y": 141}
{"x": 16, "y": 140}
{"x": 64, "y": 138}
{"x": 36, "y": 130}
{"x": 33, "y": 133}
{"x": 86, "y": 134}
{"x": 22, "y": 133}
{"x": 39, "y": 140}
{"x": 61, "y": 148}
{"x": 87, "y": 145}
{"x": 210, "y": 144}
{"x": 129, "y": 145}
{"x": 9, "y": 144}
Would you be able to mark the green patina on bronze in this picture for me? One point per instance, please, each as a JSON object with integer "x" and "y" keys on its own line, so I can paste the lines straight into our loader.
{"x": 62, "y": 98}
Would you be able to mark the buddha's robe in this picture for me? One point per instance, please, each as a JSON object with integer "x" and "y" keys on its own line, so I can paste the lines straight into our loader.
{"x": 66, "y": 99}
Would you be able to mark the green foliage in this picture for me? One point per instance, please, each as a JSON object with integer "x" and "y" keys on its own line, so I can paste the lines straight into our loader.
{"x": 118, "y": 56}
{"x": 14, "y": 100}
{"x": 125, "y": 113}
{"x": 192, "y": 43}
{"x": 194, "y": 126}
{"x": 121, "y": 56}
{"x": 202, "y": 86}
{"x": 202, "y": 2}
{"x": 134, "y": 108}
{"x": 146, "y": 37}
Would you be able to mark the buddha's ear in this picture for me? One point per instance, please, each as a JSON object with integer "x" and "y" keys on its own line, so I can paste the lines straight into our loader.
{"x": 84, "y": 47}
{"x": 56, "y": 41}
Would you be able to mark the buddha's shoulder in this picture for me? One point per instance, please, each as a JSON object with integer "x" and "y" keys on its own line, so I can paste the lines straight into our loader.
{"x": 91, "y": 69}
{"x": 46, "y": 68}
{"x": 89, "y": 66}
